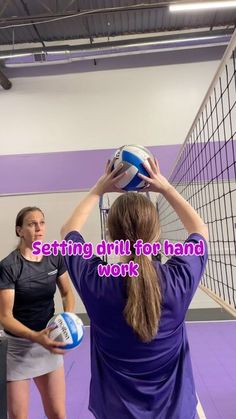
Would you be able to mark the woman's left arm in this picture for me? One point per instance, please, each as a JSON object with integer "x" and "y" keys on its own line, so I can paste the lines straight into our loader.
{"x": 105, "y": 184}
{"x": 81, "y": 213}
{"x": 68, "y": 299}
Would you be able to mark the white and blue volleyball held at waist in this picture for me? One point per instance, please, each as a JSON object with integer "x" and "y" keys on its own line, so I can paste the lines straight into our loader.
{"x": 67, "y": 328}
{"x": 132, "y": 157}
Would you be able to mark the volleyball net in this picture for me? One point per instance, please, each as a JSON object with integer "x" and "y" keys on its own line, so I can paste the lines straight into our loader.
{"x": 204, "y": 174}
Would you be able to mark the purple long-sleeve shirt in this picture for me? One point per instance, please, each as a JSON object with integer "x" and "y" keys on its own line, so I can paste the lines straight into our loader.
{"x": 131, "y": 379}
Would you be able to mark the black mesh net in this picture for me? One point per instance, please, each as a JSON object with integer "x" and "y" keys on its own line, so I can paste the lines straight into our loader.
{"x": 205, "y": 174}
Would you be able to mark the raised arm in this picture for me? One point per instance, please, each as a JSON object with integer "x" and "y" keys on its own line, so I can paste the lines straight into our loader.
{"x": 105, "y": 184}
{"x": 192, "y": 222}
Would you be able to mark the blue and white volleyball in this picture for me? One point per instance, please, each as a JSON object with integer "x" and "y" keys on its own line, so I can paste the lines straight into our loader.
{"x": 132, "y": 157}
{"x": 67, "y": 328}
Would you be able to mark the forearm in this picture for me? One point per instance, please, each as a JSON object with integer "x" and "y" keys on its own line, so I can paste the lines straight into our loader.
{"x": 81, "y": 212}
{"x": 15, "y": 327}
{"x": 68, "y": 302}
{"x": 187, "y": 214}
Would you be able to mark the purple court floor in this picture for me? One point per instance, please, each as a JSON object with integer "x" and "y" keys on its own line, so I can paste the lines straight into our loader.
{"x": 213, "y": 348}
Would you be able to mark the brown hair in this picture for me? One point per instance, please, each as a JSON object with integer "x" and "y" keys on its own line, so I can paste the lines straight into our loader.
{"x": 133, "y": 216}
{"x": 22, "y": 214}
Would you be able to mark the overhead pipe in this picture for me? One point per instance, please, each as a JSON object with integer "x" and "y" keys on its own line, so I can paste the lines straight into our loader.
{"x": 69, "y": 53}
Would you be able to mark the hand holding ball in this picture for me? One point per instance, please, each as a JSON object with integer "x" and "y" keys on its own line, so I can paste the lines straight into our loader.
{"x": 67, "y": 328}
{"x": 132, "y": 157}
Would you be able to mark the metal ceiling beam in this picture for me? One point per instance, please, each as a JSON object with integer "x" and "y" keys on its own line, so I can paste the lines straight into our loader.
{"x": 69, "y": 5}
{"x": 25, "y": 7}
{"x": 4, "y": 7}
{"x": 11, "y": 20}
{"x": 45, "y": 6}
{"x": 4, "y": 82}
{"x": 85, "y": 12}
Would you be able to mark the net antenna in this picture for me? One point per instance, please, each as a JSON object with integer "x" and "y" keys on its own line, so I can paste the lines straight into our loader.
{"x": 205, "y": 175}
{"x": 104, "y": 206}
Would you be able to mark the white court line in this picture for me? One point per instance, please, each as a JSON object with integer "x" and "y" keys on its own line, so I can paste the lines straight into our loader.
{"x": 200, "y": 411}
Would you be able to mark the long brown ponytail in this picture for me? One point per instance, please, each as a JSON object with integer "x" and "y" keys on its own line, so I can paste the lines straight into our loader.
{"x": 133, "y": 216}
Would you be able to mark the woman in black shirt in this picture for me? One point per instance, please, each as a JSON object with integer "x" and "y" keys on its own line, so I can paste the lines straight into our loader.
{"x": 27, "y": 287}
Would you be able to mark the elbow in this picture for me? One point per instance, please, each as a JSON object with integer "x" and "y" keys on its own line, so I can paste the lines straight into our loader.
{"x": 66, "y": 228}
{"x": 63, "y": 232}
{"x": 200, "y": 228}
{"x": 4, "y": 319}
{"x": 204, "y": 232}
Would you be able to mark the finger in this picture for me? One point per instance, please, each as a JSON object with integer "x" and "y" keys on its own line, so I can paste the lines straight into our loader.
{"x": 117, "y": 170}
{"x": 45, "y": 332}
{"x": 146, "y": 178}
{"x": 119, "y": 176}
{"x": 52, "y": 326}
{"x": 147, "y": 166}
{"x": 145, "y": 188}
{"x": 57, "y": 351}
{"x": 116, "y": 180}
{"x": 148, "y": 182}
{"x": 56, "y": 344}
{"x": 152, "y": 164}
{"x": 109, "y": 166}
{"x": 117, "y": 189}
{"x": 157, "y": 165}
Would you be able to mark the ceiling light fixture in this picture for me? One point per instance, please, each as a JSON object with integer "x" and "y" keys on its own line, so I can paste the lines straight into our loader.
{"x": 201, "y": 6}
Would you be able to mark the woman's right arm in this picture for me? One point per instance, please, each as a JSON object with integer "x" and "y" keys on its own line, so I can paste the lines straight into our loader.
{"x": 15, "y": 327}
{"x": 6, "y": 316}
{"x": 192, "y": 222}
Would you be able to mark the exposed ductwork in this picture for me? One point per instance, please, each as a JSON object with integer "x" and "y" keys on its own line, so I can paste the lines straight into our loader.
{"x": 66, "y": 54}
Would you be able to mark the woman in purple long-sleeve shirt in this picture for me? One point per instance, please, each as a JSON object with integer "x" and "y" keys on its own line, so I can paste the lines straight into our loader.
{"x": 140, "y": 360}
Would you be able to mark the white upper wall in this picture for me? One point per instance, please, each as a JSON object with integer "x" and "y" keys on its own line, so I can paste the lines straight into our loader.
{"x": 102, "y": 109}
{"x": 151, "y": 105}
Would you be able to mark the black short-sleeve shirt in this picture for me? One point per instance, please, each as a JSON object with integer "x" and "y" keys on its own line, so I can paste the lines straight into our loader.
{"x": 34, "y": 284}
